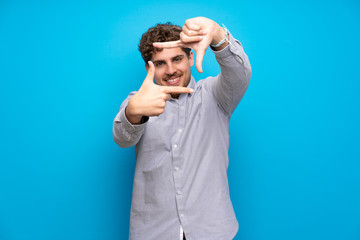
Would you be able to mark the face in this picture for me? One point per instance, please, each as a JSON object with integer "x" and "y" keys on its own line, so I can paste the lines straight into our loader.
{"x": 172, "y": 67}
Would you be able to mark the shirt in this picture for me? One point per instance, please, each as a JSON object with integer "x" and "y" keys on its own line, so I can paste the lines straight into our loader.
{"x": 182, "y": 157}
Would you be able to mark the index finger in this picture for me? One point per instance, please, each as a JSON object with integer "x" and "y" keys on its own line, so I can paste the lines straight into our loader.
{"x": 171, "y": 44}
{"x": 177, "y": 90}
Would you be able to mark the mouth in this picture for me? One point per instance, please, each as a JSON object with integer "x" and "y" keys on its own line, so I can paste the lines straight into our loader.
{"x": 173, "y": 81}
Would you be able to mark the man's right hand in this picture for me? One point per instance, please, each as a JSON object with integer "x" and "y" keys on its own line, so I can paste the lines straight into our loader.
{"x": 151, "y": 99}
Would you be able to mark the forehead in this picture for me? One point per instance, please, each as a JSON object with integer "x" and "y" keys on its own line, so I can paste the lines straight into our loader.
{"x": 167, "y": 53}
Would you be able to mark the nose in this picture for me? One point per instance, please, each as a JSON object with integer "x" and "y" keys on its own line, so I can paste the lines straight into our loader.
{"x": 170, "y": 70}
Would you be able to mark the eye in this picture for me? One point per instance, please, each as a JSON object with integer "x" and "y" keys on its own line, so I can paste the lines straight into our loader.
{"x": 157, "y": 64}
{"x": 178, "y": 59}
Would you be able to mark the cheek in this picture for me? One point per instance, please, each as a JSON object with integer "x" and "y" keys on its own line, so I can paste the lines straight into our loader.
{"x": 186, "y": 69}
{"x": 158, "y": 77}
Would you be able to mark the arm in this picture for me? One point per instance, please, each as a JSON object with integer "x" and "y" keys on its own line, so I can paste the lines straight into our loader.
{"x": 126, "y": 134}
{"x": 150, "y": 100}
{"x": 230, "y": 86}
{"x": 234, "y": 78}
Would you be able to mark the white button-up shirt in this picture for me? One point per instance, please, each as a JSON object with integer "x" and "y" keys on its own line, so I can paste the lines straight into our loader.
{"x": 182, "y": 157}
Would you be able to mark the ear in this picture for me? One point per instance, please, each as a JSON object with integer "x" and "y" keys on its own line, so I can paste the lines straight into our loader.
{"x": 146, "y": 66}
{"x": 191, "y": 59}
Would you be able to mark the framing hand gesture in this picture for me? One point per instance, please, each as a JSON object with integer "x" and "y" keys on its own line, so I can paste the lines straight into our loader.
{"x": 197, "y": 33}
{"x": 150, "y": 100}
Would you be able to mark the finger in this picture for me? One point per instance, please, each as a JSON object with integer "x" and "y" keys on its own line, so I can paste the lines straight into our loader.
{"x": 191, "y": 25}
{"x": 177, "y": 90}
{"x": 191, "y": 33}
{"x": 199, "y": 59}
{"x": 150, "y": 72}
{"x": 186, "y": 39}
{"x": 166, "y": 97}
{"x": 172, "y": 44}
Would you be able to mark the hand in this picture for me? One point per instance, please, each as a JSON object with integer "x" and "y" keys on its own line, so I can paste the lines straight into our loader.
{"x": 197, "y": 33}
{"x": 151, "y": 99}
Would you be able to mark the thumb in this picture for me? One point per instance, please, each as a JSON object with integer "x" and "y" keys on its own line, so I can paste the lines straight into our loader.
{"x": 150, "y": 73}
{"x": 199, "y": 59}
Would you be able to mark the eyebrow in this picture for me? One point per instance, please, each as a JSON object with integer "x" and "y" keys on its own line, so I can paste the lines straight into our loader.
{"x": 180, "y": 55}
{"x": 177, "y": 56}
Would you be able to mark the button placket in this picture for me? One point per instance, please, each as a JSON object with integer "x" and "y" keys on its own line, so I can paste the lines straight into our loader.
{"x": 178, "y": 158}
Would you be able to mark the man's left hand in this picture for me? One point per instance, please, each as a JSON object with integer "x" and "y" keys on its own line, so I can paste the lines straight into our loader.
{"x": 197, "y": 33}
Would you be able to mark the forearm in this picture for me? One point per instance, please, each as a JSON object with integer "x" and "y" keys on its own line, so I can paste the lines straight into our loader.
{"x": 234, "y": 78}
{"x": 126, "y": 134}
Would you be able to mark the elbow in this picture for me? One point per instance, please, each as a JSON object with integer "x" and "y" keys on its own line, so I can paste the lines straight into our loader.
{"x": 248, "y": 75}
{"x": 248, "y": 72}
{"x": 245, "y": 75}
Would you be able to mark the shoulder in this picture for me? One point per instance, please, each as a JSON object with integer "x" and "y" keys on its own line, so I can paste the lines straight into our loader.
{"x": 207, "y": 84}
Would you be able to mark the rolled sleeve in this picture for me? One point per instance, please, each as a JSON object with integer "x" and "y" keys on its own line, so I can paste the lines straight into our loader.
{"x": 234, "y": 78}
{"x": 128, "y": 126}
{"x": 225, "y": 57}
{"x": 126, "y": 134}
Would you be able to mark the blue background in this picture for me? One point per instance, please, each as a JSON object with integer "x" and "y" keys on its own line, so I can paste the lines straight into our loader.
{"x": 66, "y": 67}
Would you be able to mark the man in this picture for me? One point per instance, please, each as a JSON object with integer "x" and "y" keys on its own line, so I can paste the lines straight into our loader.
{"x": 180, "y": 129}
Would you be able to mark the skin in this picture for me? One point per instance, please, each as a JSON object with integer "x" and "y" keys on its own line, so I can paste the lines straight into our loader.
{"x": 198, "y": 33}
{"x": 172, "y": 62}
{"x": 172, "y": 67}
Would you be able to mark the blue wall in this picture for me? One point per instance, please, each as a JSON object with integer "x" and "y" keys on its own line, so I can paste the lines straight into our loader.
{"x": 294, "y": 154}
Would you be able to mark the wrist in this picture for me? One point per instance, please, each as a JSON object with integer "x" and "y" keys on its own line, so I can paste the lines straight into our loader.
{"x": 220, "y": 38}
{"x": 219, "y": 34}
{"x": 131, "y": 115}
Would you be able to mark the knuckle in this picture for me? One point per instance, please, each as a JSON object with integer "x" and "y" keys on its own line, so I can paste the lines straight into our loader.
{"x": 184, "y": 29}
{"x": 161, "y": 111}
{"x": 164, "y": 96}
{"x": 185, "y": 39}
{"x": 182, "y": 36}
{"x": 193, "y": 33}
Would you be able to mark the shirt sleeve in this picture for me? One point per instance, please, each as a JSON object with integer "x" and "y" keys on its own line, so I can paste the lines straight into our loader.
{"x": 233, "y": 80}
{"x": 126, "y": 134}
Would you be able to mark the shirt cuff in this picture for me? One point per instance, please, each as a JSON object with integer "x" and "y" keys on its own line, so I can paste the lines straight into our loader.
{"x": 131, "y": 128}
{"x": 232, "y": 50}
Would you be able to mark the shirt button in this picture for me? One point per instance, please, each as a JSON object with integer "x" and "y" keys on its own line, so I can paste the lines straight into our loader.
{"x": 176, "y": 169}
{"x": 178, "y": 192}
{"x": 175, "y": 145}
{"x": 180, "y": 130}
{"x": 182, "y": 108}
{"x": 181, "y": 215}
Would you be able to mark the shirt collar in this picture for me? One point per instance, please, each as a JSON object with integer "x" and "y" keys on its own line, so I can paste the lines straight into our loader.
{"x": 192, "y": 83}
